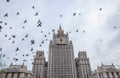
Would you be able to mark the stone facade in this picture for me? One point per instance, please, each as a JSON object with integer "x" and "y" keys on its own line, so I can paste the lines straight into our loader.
{"x": 16, "y": 71}
{"x": 106, "y": 71}
{"x": 61, "y": 63}
{"x": 83, "y": 66}
{"x": 39, "y": 65}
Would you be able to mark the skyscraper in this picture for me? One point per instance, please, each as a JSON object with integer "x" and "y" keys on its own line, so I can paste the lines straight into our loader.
{"x": 61, "y": 63}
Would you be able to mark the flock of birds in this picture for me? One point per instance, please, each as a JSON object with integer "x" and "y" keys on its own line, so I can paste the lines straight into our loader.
{"x": 32, "y": 41}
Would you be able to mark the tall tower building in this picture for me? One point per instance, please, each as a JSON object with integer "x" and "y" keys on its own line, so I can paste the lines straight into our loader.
{"x": 39, "y": 65}
{"x": 83, "y": 66}
{"x": 61, "y": 63}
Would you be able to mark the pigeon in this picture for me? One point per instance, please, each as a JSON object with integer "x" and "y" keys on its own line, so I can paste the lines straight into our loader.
{"x": 8, "y": 0}
{"x": 36, "y": 14}
{"x": 33, "y": 7}
{"x": 5, "y": 35}
{"x": 100, "y": 9}
{"x": 0, "y": 49}
{"x": 31, "y": 49}
{"x": 45, "y": 35}
{"x": 23, "y": 39}
{"x": 32, "y": 42}
{"x": 41, "y": 31}
{"x": 10, "y": 27}
{"x": 25, "y": 21}
{"x": 0, "y": 21}
{"x": 26, "y": 36}
{"x": 10, "y": 38}
{"x": 61, "y": 15}
{"x": 83, "y": 31}
{"x": 13, "y": 42}
{"x": 13, "y": 36}
{"x": 23, "y": 27}
{"x": 115, "y": 27}
{"x": 74, "y": 14}
{"x": 0, "y": 28}
{"x": 5, "y": 23}
{"x": 77, "y": 30}
{"x": 6, "y": 15}
{"x": 17, "y": 13}
{"x": 17, "y": 49}
{"x": 40, "y": 45}
{"x": 53, "y": 30}
{"x": 79, "y": 14}
{"x": 38, "y": 21}
{"x": 39, "y": 25}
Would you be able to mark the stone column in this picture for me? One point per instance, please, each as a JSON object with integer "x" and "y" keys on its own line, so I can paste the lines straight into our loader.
{"x": 110, "y": 75}
{"x": 105, "y": 75}
{"x": 115, "y": 74}
{"x": 9, "y": 75}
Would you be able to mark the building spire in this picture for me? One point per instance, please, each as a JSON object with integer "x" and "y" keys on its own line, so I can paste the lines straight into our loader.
{"x": 60, "y": 31}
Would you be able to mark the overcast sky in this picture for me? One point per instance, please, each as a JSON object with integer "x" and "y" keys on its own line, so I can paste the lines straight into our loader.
{"x": 98, "y": 35}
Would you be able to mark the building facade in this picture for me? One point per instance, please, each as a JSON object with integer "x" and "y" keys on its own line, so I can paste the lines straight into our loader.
{"x": 39, "y": 65}
{"x": 16, "y": 71}
{"x": 61, "y": 63}
{"x": 106, "y": 71}
{"x": 83, "y": 66}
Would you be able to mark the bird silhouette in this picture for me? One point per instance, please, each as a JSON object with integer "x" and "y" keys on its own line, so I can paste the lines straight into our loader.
{"x": 26, "y": 35}
{"x": 40, "y": 24}
{"x": 5, "y": 35}
{"x": 0, "y": 49}
{"x": 8, "y": 0}
{"x": 5, "y": 23}
{"x": 74, "y": 14}
{"x": 32, "y": 42}
{"x": 77, "y": 30}
{"x": 100, "y": 9}
{"x": 17, "y": 13}
{"x": 13, "y": 36}
{"x": 25, "y": 21}
{"x": 36, "y": 14}
{"x": 33, "y": 7}
{"x": 0, "y": 21}
{"x": 31, "y": 49}
{"x": 61, "y": 15}
{"x": 17, "y": 49}
{"x": 0, "y": 28}
{"x": 6, "y": 15}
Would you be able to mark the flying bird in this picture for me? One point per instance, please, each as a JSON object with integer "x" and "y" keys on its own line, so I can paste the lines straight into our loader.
{"x": 13, "y": 42}
{"x": 0, "y": 49}
{"x": 33, "y": 7}
{"x": 74, "y": 14}
{"x": 115, "y": 27}
{"x": 32, "y": 42}
{"x": 17, "y": 49}
{"x": 31, "y": 49}
{"x": 0, "y": 28}
{"x": 83, "y": 31}
{"x": 5, "y": 23}
{"x": 0, "y": 21}
{"x": 25, "y": 21}
{"x": 5, "y": 35}
{"x": 6, "y": 15}
{"x": 100, "y": 9}
{"x": 13, "y": 36}
{"x": 10, "y": 27}
{"x": 39, "y": 25}
{"x": 36, "y": 14}
{"x": 17, "y": 13}
{"x": 77, "y": 30}
{"x": 26, "y": 35}
{"x": 61, "y": 15}
{"x": 8, "y": 0}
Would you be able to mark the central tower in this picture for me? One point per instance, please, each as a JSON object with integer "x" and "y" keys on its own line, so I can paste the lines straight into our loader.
{"x": 61, "y": 63}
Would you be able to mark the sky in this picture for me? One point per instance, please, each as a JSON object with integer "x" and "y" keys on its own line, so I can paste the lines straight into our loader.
{"x": 97, "y": 22}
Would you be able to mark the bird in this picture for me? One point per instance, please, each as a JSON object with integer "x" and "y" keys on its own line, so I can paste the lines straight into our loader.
{"x": 5, "y": 23}
{"x": 83, "y": 31}
{"x": 17, "y": 13}
{"x": 32, "y": 42}
{"x": 0, "y": 49}
{"x": 33, "y": 7}
{"x": 23, "y": 39}
{"x": 36, "y": 14}
{"x": 31, "y": 49}
{"x": 0, "y": 21}
{"x": 77, "y": 30}
{"x": 74, "y": 14}
{"x": 41, "y": 31}
{"x": 115, "y": 27}
{"x": 61, "y": 15}
{"x": 6, "y": 15}
{"x": 13, "y": 42}
{"x": 23, "y": 27}
{"x": 100, "y": 9}
{"x": 39, "y": 25}
{"x": 26, "y": 35}
{"x": 10, "y": 27}
{"x": 8, "y": 0}
{"x": 53, "y": 30}
{"x": 40, "y": 45}
{"x": 10, "y": 38}
{"x": 45, "y": 35}
{"x": 5, "y": 35}
{"x": 13, "y": 36}
{"x": 79, "y": 14}
{"x": 38, "y": 21}
{"x": 17, "y": 49}
{"x": 0, "y": 28}
{"x": 25, "y": 21}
